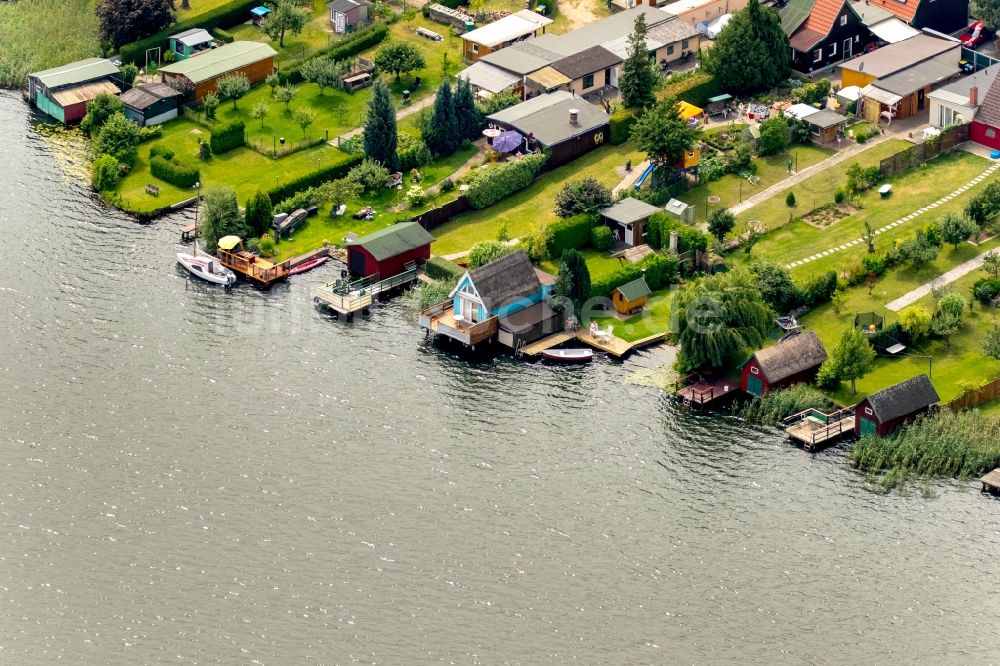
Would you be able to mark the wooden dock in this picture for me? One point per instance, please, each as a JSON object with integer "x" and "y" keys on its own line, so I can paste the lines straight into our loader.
{"x": 259, "y": 271}
{"x": 991, "y": 481}
{"x": 815, "y": 430}
{"x": 703, "y": 392}
{"x": 187, "y": 233}
{"x": 536, "y": 348}
{"x": 615, "y": 345}
{"x": 346, "y": 298}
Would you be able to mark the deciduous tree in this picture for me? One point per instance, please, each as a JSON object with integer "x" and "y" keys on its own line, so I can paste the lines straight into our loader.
{"x": 303, "y": 119}
{"x": 399, "y": 58}
{"x": 751, "y": 53}
{"x": 957, "y": 228}
{"x": 915, "y": 321}
{"x": 663, "y": 134}
{"x": 321, "y": 71}
{"x": 233, "y": 86}
{"x": 720, "y": 223}
{"x": 286, "y": 16}
{"x": 486, "y": 252}
{"x": 380, "y": 129}
{"x": 220, "y": 216}
{"x": 99, "y": 110}
{"x": 125, "y": 21}
{"x": 285, "y": 94}
{"x": 119, "y": 137}
{"x": 852, "y": 358}
{"x": 948, "y": 318}
{"x": 582, "y": 196}
{"x": 259, "y": 112}
{"x": 639, "y": 74}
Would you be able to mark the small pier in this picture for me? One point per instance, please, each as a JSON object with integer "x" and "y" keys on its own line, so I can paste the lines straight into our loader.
{"x": 703, "y": 392}
{"x": 991, "y": 481}
{"x": 816, "y": 430}
{"x": 187, "y": 233}
{"x": 259, "y": 271}
{"x": 616, "y": 346}
{"x": 345, "y": 297}
{"x": 554, "y": 340}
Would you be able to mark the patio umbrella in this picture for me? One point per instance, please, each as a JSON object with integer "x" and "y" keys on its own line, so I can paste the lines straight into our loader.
{"x": 508, "y": 141}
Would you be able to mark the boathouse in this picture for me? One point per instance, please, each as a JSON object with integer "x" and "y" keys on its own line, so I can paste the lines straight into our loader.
{"x": 254, "y": 60}
{"x": 793, "y": 360}
{"x": 63, "y": 92}
{"x": 884, "y": 411}
{"x": 388, "y": 251}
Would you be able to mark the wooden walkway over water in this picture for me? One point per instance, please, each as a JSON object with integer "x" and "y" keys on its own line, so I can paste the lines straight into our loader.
{"x": 991, "y": 481}
{"x": 815, "y": 430}
{"x": 613, "y": 345}
{"x": 346, "y": 298}
{"x": 703, "y": 392}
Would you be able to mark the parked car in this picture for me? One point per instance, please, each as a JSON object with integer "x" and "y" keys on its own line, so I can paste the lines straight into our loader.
{"x": 976, "y": 35}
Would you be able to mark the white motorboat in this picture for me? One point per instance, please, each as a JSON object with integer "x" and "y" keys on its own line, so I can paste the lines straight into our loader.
{"x": 207, "y": 268}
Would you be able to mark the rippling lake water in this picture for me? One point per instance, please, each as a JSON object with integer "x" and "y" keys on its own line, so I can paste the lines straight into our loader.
{"x": 195, "y": 477}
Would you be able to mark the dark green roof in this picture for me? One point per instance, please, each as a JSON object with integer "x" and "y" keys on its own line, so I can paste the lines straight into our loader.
{"x": 794, "y": 14}
{"x": 634, "y": 290}
{"x": 397, "y": 239}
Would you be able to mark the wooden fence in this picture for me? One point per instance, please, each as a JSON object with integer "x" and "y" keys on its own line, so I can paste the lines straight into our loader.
{"x": 921, "y": 152}
{"x": 435, "y": 217}
{"x": 975, "y": 397}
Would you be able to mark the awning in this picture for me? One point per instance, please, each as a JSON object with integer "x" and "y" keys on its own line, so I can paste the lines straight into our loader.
{"x": 484, "y": 76}
{"x": 879, "y": 95}
{"x": 893, "y": 30}
{"x": 260, "y": 11}
{"x": 229, "y": 242}
{"x": 508, "y": 141}
{"x": 800, "y": 111}
{"x": 548, "y": 78}
{"x": 688, "y": 111}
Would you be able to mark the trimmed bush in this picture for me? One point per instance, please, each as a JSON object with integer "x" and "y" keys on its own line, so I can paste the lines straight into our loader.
{"x": 820, "y": 289}
{"x": 174, "y": 171}
{"x": 659, "y": 270}
{"x": 160, "y": 150}
{"x": 439, "y": 268}
{"x": 105, "y": 173}
{"x": 570, "y": 233}
{"x": 490, "y": 184}
{"x": 694, "y": 88}
{"x": 223, "y": 35}
{"x": 227, "y": 137}
{"x": 621, "y": 122}
{"x": 839, "y": 195}
{"x": 340, "y": 50}
{"x": 790, "y": 199}
{"x": 986, "y": 289}
{"x": 337, "y": 169}
{"x": 224, "y": 16}
{"x": 413, "y": 152}
{"x": 601, "y": 238}
{"x": 688, "y": 238}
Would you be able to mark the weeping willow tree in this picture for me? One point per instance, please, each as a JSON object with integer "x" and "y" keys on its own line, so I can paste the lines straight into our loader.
{"x": 719, "y": 319}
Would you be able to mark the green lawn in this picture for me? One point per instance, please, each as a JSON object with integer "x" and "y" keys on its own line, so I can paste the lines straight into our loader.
{"x": 598, "y": 263}
{"x": 912, "y": 189}
{"x": 198, "y": 7}
{"x": 524, "y": 211}
{"x": 316, "y": 34}
{"x": 654, "y": 318}
{"x": 732, "y": 188}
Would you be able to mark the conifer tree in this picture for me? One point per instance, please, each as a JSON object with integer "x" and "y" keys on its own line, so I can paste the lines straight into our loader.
{"x": 466, "y": 115}
{"x": 441, "y": 135}
{"x": 639, "y": 75}
{"x": 380, "y": 128}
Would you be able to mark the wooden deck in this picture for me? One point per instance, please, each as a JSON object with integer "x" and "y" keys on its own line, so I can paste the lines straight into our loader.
{"x": 991, "y": 481}
{"x": 536, "y": 348}
{"x": 348, "y": 298}
{"x": 709, "y": 393}
{"x": 615, "y": 345}
{"x": 815, "y": 435}
{"x": 259, "y": 271}
{"x": 187, "y": 233}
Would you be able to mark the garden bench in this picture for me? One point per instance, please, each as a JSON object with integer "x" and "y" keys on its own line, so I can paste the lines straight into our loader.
{"x": 152, "y": 189}
{"x": 429, "y": 34}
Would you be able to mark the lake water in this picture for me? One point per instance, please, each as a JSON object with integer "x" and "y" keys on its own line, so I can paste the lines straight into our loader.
{"x": 195, "y": 477}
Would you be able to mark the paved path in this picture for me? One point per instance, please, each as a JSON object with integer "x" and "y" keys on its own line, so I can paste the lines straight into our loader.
{"x": 402, "y": 113}
{"x": 799, "y": 176}
{"x": 629, "y": 180}
{"x": 917, "y": 213}
{"x": 961, "y": 270}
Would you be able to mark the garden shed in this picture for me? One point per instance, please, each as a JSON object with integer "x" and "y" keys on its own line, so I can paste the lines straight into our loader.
{"x": 825, "y": 125}
{"x": 63, "y": 92}
{"x": 631, "y": 296}
{"x": 793, "y": 360}
{"x": 628, "y": 218}
{"x": 151, "y": 103}
{"x": 188, "y": 43}
{"x": 254, "y": 60}
{"x": 386, "y": 252}
{"x": 884, "y": 411}
{"x": 349, "y": 15}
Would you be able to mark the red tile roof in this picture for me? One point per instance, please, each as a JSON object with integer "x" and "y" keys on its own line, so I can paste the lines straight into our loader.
{"x": 903, "y": 9}
{"x": 822, "y": 17}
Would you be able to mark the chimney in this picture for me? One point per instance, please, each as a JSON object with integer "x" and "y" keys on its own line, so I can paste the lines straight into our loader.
{"x": 973, "y": 96}
{"x": 573, "y": 115}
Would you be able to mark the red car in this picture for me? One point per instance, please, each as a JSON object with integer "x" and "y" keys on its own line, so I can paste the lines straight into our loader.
{"x": 976, "y": 35}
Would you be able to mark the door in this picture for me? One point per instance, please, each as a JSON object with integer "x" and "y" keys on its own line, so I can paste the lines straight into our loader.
{"x": 868, "y": 427}
{"x": 629, "y": 239}
{"x": 469, "y": 310}
{"x": 847, "y": 49}
{"x": 755, "y": 386}
{"x": 920, "y": 100}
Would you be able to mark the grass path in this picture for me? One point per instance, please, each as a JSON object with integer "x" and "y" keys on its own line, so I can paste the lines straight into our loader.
{"x": 915, "y": 295}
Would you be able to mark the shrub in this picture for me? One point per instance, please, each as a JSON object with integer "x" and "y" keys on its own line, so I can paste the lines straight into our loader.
{"x": 984, "y": 205}
{"x": 773, "y": 136}
{"x": 447, "y": 185}
{"x": 776, "y": 285}
{"x": 621, "y": 122}
{"x": 413, "y": 152}
{"x": 916, "y": 321}
{"x": 223, "y": 35}
{"x": 486, "y": 252}
{"x": 582, "y": 196}
{"x": 227, "y": 15}
{"x": 228, "y": 136}
{"x": 301, "y": 199}
{"x": 688, "y": 238}
{"x": 790, "y": 199}
{"x": 340, "y": 50}
{"x": 694, "y": 87}
{"x": 118, "y": 137}
{"x": 267, "y": 246}
{"x": 601, "y": 238}
{"x": 839, "y": 195}
{"x": 105, "y": 173}
{"x": 659, "y": 270}
{"x": 777, "y": 405}
{"x": 337, "y": 169}
{"x": 439, "y": 268}
{"x": 860, "y": 137}
{"x": 490, "y": 184}
{"x": 150, "y": 133}
{"x": 370, "y": 174}
{"x": 875, "y": 263}
{"x": 496, "y": 103}
{"x": 416, "y": 195}
{"x": 174, "y": 171}
{"x": 571, "y": 233}
{"x": 712, "y": 168}
{"x": 986, "y": 290}
{"x": 820, "y": 289}
{"x": 161, "y": 150}
{"x": 861, "y": 178}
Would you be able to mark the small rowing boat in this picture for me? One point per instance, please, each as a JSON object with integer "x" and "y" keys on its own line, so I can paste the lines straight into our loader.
{"x": 309, "y": 265}
{"x": 569, "y": 355}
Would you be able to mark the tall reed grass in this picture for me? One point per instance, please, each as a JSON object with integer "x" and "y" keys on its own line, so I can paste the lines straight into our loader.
{"x": 38, "y": 34}
{"x": 936, "y": 445}
{"x": 776, "y": 405}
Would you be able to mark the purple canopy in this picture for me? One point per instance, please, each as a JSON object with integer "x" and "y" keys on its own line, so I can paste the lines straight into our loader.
{"x": 508, "y": 141}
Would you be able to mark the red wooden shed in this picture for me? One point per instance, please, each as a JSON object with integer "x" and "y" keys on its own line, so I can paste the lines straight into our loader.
{"x": 386, "y": 252}
{"x": 791, "y": 361}
{"x": 884, "y": 411}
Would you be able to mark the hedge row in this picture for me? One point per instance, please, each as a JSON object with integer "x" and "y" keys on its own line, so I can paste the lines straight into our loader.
{"x": 621, "y": 124}
{"x": 695, "y": 88}
{"x": 228, "y": 136}
{"x": 223, "y": 16}
{"x": 223, "y": 35}
{"x": 490, "y": 184}
{"x": 659, "y": 270}
{"x": 341, "y": 50}
{"x": 163, "y": 165}
{"x": 332, "y": 171}
{"x": 571, "y": 233}
{"x": 439, "y": 268}
{"x": 688, "y": 238}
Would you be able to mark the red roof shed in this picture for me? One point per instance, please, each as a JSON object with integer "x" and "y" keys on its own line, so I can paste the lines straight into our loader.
{"x": 795, "y": 360}
{"x": 386, "y": 252}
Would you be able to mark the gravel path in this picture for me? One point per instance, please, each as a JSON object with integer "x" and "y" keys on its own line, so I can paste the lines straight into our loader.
{"x": 915, "y": 295}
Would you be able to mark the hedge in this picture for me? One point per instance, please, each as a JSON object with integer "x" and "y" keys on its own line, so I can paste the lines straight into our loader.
{"x": 695, "y": 88}
{"x": 571, "y": 233}
{"x": 601, "y": 238}
{"x": 820, "y": 289}
{"x": 224, "y": 35}
{"x": 340, "y": 50}
{"x": 439, "y": 268}
{"x": 332, "y": 171}
{"x": 659, "y": 270}
{"x": 228, "y": 136}
{"x": 223, "y": 16}
{"x": 490, "y": 184}
{"x": 173, "y": 171}
{"x": 688, "y": 238}
{"x": 621, "y": 125}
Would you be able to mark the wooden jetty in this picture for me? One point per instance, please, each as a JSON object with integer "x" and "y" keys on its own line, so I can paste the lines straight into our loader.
{"x": 187, "y": 233}
{"x": 991, "y": 481}
{"x": 346, "y": 297}
{"x": 696, "y": 390}
{"x": 616, "y": 346}
{"x": 537, "y": 347}
{"x": 261, "y": 272}
{"x": 816, "y": 430}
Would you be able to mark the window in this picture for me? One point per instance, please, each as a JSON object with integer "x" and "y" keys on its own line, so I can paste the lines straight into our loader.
{"x": 588, "y": 81}
{"x": 843, "y": 20}
{"x": 833, "y": 49}
{"x": 817, "y": 55}
{"x": 991, "y": 133}
{"x": 475, "y": 48}
{"x": 868, "y": 411}
{"x": 607, "y": 76}
{"x": 670, "y": 49}
{"x": 684, "y": 44}
{"x": 857, "y": 38}
{"x": 754, "y": 370}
